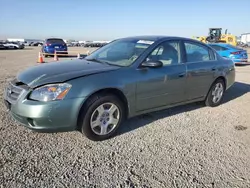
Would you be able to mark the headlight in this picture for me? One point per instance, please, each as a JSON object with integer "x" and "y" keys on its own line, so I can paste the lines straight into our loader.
{"x": 50, "y": 92}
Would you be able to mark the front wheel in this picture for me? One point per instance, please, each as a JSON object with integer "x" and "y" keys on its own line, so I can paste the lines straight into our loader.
{"x": 101, "y": 117}
{"x": 216, "y": 93}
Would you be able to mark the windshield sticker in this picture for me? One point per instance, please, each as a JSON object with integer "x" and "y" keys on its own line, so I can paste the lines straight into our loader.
{"x": 145, "y": 42}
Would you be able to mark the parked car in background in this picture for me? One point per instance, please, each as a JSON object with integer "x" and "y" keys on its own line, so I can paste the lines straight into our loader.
{"x": 12, "y": 45}
{"x": 27, "y": 43}
{"x": 69, "y": 44}
{"x": 237, "y": 54}
{"x": 94, "y": 44}
{"x": 241, "y": 44}
{"x": 30, "y": 43}
{"x": 2, "y": 47}
{"x": 19, "y": 44}
{"x": 245, "y": 45}
{"x": 54, "y": 44}
{"x": 36, "y": 44}
{"x": 125, "y": 78}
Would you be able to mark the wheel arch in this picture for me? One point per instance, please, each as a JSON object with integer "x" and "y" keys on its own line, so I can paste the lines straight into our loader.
{"x": 219, "y": 77}
{"x": 118, "y": 93}
{"x": 114, "y": 91}
{"x": 222, "y": 78}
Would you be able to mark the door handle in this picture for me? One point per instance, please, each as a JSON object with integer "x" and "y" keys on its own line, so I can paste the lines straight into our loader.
{"x": 213, "y": 69}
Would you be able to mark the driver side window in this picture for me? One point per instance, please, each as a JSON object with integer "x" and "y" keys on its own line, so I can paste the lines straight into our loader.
{"x": 167, "y": 52}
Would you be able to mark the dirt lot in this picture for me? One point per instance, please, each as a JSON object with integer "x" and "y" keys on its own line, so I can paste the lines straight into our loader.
{"x": 187, "y": 146}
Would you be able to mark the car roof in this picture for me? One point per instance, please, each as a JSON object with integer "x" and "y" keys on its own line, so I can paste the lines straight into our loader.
{"x": 156, "y": 37}
{"x": 53, "y": 38}
{"x": 219, "y": 44}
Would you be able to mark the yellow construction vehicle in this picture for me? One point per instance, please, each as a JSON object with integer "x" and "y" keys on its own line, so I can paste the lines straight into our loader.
{"x": 215, "y": 36}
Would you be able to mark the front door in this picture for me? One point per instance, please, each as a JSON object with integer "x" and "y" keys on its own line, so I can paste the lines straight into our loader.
{"x": 158, "y": 87}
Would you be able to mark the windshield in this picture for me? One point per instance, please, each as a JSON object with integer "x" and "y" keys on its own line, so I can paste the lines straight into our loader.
{"x": 121, "y": 52}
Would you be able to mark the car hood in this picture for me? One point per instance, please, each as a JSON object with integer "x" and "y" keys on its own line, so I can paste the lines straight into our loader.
{"x": 61, "y": 71}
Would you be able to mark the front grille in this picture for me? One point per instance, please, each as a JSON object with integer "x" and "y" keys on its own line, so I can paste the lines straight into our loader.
{"x": 13, "y": 91}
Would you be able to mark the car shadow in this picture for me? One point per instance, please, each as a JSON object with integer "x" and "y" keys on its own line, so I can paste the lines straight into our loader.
{"x": 27, "y": 48}
{"x": 237, "y": 90}
{"x": 242, "y": 65}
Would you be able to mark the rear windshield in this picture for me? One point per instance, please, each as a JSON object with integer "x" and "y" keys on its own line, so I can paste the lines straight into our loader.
{"x": 234, "y": 47}
{"x": 55, "y": 41}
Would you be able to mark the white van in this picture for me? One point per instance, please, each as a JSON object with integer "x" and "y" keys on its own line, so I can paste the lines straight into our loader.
{"x": 245, "y": 38}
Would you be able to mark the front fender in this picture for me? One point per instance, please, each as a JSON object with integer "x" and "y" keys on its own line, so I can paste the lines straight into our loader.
{"x": 84, "y": 87}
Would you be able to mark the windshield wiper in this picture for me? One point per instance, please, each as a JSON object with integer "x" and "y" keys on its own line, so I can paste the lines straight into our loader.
{"x": 104, "y": 62}
{"x": 96, "y": 60}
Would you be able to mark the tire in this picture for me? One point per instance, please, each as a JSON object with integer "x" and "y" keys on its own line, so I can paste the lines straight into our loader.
{"x": 89, "y": 113}
{"x": 210, "y": 99}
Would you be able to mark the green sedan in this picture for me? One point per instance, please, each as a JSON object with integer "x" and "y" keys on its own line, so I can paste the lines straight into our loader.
{"x": 125, "y": 78}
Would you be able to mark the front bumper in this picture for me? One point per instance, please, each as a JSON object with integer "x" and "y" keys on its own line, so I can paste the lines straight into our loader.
{"x": 54, "y": 116}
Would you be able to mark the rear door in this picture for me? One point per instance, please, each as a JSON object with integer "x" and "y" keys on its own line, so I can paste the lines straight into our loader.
{"x": 201, "y": 69}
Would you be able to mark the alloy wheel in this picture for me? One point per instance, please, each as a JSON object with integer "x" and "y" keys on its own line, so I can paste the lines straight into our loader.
{"x": 105, "y": 118}
{"x": 217, "y": 92}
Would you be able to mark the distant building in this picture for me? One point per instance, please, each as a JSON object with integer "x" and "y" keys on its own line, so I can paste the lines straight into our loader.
{"x": 23, "y": 40}
{"x": 16, "y": 40}
{"x": 69, "y": 40}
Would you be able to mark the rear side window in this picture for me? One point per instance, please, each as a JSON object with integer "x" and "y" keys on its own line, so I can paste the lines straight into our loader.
{"x": 55, "y": 41}
{"x": 196, "y": 52}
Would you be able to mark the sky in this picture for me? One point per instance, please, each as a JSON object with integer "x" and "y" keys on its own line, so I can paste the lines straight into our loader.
{"x": 111, "y": 19}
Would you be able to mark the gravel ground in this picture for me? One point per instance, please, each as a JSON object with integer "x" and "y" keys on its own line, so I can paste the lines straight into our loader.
{"x": 187, "y": 146}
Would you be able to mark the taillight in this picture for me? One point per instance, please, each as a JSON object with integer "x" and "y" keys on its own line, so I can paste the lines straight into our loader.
{"x": 235, "y": 53}
{"x": 47, "y": 44}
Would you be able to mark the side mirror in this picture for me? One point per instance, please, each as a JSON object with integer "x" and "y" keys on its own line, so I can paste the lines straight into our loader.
{"x": 152, "y": 64}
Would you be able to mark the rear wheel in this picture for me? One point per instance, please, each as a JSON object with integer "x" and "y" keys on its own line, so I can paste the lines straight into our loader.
{"x": 101, "y": 117}
{"x": 216, "y": 93}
